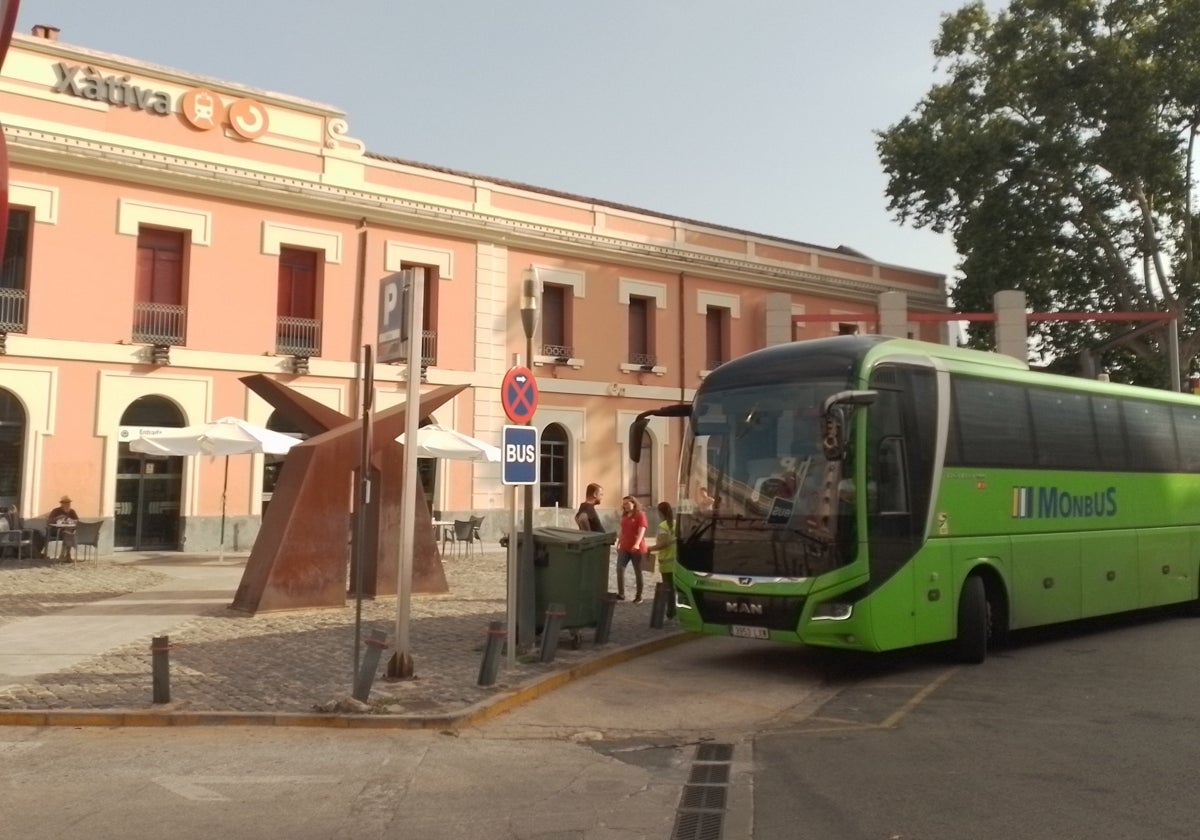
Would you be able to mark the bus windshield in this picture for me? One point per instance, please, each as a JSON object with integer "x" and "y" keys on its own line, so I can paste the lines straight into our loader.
{"x": 758, "y": 496}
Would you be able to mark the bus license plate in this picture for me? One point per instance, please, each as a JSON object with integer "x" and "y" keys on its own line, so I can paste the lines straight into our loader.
{"x": 745, "y": 632}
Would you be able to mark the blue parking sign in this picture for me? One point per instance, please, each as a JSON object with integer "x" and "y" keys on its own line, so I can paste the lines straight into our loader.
{"x": 519, "y": 447}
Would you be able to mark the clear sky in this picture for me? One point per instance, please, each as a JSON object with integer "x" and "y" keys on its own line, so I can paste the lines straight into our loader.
{"x": 754, "y": 114}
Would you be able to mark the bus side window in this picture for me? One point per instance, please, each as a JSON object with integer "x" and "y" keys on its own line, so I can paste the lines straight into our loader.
{"x": 891, "y": 490}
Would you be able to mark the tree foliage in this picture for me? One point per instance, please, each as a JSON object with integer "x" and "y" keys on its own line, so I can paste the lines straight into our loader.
{"x": 1058, "y": 147}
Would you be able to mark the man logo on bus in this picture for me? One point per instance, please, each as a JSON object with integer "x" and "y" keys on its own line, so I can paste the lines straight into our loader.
{"x": 743, "y": 608}
{"x": 1052, "y": 503}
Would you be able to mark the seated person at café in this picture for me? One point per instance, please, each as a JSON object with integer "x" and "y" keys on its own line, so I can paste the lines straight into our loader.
{"x": 56, "y": 524}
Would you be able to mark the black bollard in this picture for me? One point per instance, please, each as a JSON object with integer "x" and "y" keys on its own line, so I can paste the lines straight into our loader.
{"x": 491, "y": 652}
{"x": 604, "y": 623}
{"x": 658, "y": 610}
{"x": 556, "y": 614}
{"x": 160, "y": 668}
{"x": 376, "y": 644}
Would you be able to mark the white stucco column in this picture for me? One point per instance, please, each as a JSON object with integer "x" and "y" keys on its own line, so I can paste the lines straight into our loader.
{"x": 1012, "y": 336}
{"x": 893, "y": 314}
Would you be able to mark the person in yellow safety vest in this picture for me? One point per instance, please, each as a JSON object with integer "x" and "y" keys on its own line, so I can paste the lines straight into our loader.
{"x": 664, "y": 548}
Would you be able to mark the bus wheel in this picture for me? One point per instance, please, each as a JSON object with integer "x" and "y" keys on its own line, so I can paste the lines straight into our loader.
{"x": 970, "y": 646}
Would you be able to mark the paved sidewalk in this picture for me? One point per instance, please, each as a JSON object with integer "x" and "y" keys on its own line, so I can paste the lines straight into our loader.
{"x": 75, "y": 648}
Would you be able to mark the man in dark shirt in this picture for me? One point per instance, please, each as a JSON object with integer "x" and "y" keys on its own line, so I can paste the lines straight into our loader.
{"x": 586, "y": 517}
{"x": 60, "y": 525}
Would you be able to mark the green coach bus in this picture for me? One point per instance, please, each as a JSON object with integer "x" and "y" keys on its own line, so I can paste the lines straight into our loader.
{"x": 872, "y": 493}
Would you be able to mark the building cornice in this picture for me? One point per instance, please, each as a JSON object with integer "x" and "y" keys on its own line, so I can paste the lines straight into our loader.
{"x": 42, "y": 148}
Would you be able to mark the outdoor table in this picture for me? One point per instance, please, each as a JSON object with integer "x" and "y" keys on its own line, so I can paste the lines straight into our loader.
{"x": 56, "y": 531}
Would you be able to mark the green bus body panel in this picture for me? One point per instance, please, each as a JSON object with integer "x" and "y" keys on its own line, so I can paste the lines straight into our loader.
{"x": 1060, "y": 544}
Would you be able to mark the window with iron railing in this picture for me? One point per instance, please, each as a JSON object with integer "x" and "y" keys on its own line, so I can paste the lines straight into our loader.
{"x": 428, "y": 348}
{"x": 14, "y": 296}
{"x": 159, "y": 313}
{"x": 716, "y": 336}
{"x": 297, "y": 336}
{"x": 159, "y": 323}
{"x": 13, "y": 306}
{"x": 559, "y": 352}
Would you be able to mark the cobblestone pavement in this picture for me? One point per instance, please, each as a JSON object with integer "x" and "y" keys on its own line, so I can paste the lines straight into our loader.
{"x": 294, "y": 662}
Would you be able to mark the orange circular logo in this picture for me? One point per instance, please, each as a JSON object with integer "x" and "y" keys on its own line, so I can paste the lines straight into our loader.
{"x": 248, "y": 118}
{"x": 202, "y": 108}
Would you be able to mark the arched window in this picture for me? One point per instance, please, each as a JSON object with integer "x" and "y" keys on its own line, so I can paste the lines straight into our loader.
{"x": 272, "y": 463}
{"x": 553, "y": 480}
{"x": 149, "y": 487}
{"x": 642, "y": 487}
{"x": 12, "y": 447}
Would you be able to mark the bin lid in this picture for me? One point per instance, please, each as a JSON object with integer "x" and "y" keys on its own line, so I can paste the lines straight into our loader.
{"x": 570, "y": 536}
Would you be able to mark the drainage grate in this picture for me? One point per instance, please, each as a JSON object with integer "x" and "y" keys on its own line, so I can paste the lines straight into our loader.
{"x": 704, "y": 797}
{"x": 714, "y": 752}
{"x": 701, "y": 813}
{"x": 709, "y": 774}
{"x": 698, "y": 825}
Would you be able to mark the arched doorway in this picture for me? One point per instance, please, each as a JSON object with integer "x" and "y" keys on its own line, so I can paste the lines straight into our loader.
{"x": 272, "y": 463}
{"x": 12, "y": 448}
{"x": 552, "y": 483}
{"x": 149, "y": 487}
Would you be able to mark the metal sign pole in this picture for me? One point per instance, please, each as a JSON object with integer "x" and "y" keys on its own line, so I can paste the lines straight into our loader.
{"x": 510, "y": 647}
{"x": 401, "y": 665}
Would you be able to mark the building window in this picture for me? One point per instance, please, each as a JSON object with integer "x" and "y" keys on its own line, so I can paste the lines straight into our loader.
{"x": 14, "y": 294}
{"x": 158, "y": 311}
{"x": 716, "y": 337}
{"x": 641, "y": 332}
{"x": 555, "y": 320}
{"x": 12, "y": 447}
{"x": 429, "y": 308}
{"x": 297, "y": 327}
{"x": 553, "y": 477}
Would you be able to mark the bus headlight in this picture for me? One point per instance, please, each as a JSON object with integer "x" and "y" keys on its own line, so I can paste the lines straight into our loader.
{"x": 832, "y": 611}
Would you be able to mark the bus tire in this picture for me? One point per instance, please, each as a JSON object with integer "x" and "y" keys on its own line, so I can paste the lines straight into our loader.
{"x": 971, "y": 643}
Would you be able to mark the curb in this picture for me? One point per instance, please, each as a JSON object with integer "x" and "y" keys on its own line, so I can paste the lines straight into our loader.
{"x": 471, "y": 716}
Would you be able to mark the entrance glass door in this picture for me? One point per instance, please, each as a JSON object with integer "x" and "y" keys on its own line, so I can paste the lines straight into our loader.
{"x": 149, "y": 488}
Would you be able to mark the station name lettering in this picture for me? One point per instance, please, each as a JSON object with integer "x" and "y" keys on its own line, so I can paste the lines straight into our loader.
{"x": 87, "y": 83}
{"x": 1052, "y": 503}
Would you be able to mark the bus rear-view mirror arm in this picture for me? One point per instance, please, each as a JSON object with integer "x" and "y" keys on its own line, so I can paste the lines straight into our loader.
{"x": 835, "y": 413}
{"x": 637, "y": 429}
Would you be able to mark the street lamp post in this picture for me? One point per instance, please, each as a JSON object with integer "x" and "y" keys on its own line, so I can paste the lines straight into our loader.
{"x": 525, "y": 594}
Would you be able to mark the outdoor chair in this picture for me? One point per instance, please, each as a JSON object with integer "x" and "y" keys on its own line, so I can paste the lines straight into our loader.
{"x": 463, "y": 530}
{"x": 17, "y": 540}
{"x": 476, "y": 521}
{"x": 87, "y": 536}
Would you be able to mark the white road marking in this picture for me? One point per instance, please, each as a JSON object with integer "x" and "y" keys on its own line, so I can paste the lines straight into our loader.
{"x": 197, "y": 788}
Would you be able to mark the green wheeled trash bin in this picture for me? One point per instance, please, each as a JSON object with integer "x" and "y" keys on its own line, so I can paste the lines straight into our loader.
{"x": 570, "y": 567}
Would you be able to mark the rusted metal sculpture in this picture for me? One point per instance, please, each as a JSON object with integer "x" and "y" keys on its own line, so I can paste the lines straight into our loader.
{"x": 300, "y": 558}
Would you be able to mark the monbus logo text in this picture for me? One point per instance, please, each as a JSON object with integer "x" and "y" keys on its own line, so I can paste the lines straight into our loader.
{"x": 1052, "y": 503}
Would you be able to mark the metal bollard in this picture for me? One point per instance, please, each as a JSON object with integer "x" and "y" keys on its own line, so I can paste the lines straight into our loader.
{"x": 555, "y": 615}
{"x": 160, "y": 668}
{"x": 491, "y": 652}
{"x": 604, "y": 623}
{"x": 376, "y": 644}
{"x": 658, "y": 610}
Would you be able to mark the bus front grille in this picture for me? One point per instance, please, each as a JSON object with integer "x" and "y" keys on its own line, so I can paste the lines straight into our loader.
{"x": 774, "y": 612}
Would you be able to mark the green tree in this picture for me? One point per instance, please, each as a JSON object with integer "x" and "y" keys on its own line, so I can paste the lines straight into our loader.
{"x": 1057, "y": 147}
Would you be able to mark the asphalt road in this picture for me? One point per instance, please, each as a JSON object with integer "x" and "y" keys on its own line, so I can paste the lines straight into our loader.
{"x": 1088, "y": 733}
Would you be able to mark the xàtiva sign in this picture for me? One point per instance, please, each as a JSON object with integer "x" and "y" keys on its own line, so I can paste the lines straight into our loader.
{"x": 519, "y": 447}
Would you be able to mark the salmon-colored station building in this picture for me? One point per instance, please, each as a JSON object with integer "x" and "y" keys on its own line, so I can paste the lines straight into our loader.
{"x": 171, "y": 234}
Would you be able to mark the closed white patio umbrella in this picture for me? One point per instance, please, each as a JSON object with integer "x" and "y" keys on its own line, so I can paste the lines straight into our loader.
{"x": 434, "y": 441}
{"x": 223, "y": 436}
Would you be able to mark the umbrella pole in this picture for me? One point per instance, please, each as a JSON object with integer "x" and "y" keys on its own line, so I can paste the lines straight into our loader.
{"x": 224, "y": 489}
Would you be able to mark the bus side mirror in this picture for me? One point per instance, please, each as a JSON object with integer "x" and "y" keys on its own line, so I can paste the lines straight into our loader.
{"x": 835, "y": 416}
{"x": 637, "y": 429}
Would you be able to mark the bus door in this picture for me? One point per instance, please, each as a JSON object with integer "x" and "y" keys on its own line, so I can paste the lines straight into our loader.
{"x": 901, "y": 433}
